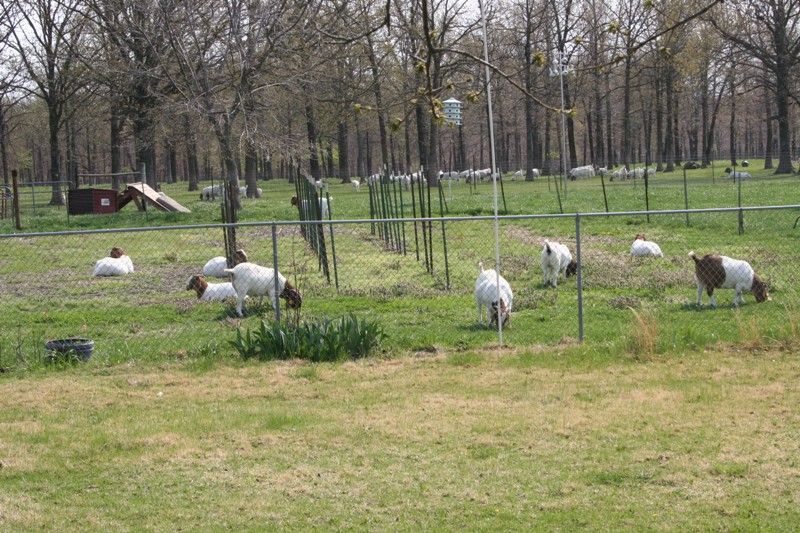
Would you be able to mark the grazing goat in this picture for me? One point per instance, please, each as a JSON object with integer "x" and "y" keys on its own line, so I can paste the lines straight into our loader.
{"x": 323, "y": 206}
{"x": 722, "y": 272}
{"x": 486, "y": 290}
{"x": 116, "y": 264}
{"x": 250, "y": 279}
{"x": 583, "y": 172}
{"x": 556, "y": 258}
{"x": 209, "y": 292}
{"x": 356, "y": 184}
{"x": 215, "y": 267}
{"x": 209, "y": 193}
{"x": 645, "y": 248}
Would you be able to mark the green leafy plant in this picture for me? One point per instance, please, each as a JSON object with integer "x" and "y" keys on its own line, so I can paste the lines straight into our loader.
{"x": 319, "y": 340}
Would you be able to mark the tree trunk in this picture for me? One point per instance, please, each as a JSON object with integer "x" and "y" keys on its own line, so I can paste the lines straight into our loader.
{"x": 669, "y": 139}
{"x": 116, "y": 155}
{"x": 422, "y": 134}
{"x": 573, "y": 152}
{"x": 626, "y": 110}
{"x": 768, "y": 122}
{"x": 343, "y": 146}
{"x": 659, "y": 124}
{"x": 191, "y": 154}
{"x": 3, "y": 145}
{"x": 251, "y": 170}
{"x": 57, "y": 198}
{"x": 782, "y": 105}
{"x": 732, "y": 124}
{"x": 376, "y": 87}
{"x": 609, "y": 139}
{"x": 313, "y": 149}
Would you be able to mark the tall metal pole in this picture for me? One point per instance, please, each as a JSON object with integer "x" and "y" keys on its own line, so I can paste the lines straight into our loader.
{"x": 563, "y": 121}
{"x": 494, "y": 166}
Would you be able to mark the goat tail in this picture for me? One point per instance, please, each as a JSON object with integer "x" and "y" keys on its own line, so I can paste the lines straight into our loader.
{"x": 547, "y": 247}
{"x": 480, "y": 266}
{"x": 693, "y": 256}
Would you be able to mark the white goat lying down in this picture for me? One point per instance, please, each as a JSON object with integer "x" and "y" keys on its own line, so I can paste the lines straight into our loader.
{"x": 215, "y": 267}
{"x": 486, "y": 296}
{"x": 644, "y": 248}
{"x": 210, "y": 292}
{"x": 556, "y": 258}
{"x": 116, "y": 264}
{"x": 250, "y": 279}
{"x": 719, "y": 271}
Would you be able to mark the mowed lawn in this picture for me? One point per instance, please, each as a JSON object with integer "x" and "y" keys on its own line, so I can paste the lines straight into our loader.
{"x": 464, "y": 440}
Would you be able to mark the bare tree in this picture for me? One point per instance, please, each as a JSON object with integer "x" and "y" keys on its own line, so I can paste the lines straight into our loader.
{"x": 768, "y": 30}
{"x": 46, "y": 40}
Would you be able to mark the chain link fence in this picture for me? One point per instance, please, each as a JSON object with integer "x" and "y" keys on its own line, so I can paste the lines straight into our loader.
{"x": 48, "y": 290}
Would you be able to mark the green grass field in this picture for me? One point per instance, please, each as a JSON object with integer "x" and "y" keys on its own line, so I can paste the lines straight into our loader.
{"x": 473, "y": 440}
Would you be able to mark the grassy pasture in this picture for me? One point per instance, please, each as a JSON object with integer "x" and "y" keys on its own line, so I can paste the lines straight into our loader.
{"x": 46, "y": 290}
{"x": 522, "y": 440}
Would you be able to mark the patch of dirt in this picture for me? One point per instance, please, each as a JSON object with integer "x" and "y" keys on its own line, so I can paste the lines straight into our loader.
{"x": 624, "y": 302}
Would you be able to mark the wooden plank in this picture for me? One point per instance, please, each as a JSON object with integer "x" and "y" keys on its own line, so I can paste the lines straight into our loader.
{"x": 157, "y": 199}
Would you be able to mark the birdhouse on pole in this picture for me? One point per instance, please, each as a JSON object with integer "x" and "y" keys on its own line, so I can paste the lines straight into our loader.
{"x": 452, "y": 111}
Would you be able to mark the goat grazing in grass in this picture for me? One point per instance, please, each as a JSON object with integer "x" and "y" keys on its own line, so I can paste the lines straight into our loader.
{"x": 556, "y": 258}
{"x": 486, "y": 291}
{"x": 722, "y": 272}
{"x": 250, "y": 279}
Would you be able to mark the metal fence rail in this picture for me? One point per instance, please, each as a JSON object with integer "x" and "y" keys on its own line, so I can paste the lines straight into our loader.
{"x": 48, "y": 290}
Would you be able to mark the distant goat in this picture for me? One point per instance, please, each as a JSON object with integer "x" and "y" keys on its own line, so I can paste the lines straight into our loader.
{"x": 583, "y": 172}
{"x": 719, "y": 271}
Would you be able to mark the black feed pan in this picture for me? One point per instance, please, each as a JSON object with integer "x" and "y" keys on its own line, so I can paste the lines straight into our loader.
{"x": 82, "y": 348}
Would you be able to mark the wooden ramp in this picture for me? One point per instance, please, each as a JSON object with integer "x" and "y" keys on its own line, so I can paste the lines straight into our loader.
{"x": 138, "y": 192}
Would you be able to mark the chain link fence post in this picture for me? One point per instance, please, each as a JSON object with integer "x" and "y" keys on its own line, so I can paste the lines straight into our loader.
{"x": 275, "y": 302}
{"x": 579, "y": 274}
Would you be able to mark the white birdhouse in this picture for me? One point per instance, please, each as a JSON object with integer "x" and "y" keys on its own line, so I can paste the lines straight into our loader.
{"x": 452, "y": 111}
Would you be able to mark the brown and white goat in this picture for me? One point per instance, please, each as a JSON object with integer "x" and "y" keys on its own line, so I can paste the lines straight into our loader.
{"x": 208, "y": 292}
{"x": 721, "y": 272}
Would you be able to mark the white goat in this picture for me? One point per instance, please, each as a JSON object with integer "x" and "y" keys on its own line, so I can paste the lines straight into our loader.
{"x": 645, "y": 248}
{"x": 738, "y": 175}
{"x": 583, "y": 172}
{"x": 215, "y": 267}
{"x": 210, "y": 292}
{"x": 250, "y": 279}
{"x": 486, "y": 290}
{"x": 116, "y": 264}
{"x": 304, "y": 206}
{"x": 209, "y": 193}
{"x": 556, "y": 258}
{"x": 719, "y": 271}
{"x": 355, "y": 184}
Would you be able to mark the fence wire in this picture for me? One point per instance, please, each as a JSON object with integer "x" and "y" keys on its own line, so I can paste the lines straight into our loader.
{"x": 49, "y": 290}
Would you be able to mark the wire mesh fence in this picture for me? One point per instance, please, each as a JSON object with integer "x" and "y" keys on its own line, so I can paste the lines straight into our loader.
{"x": 617, "y": 287}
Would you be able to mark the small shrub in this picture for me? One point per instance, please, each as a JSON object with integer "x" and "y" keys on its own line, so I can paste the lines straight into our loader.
{"x": 318, "y": 340}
